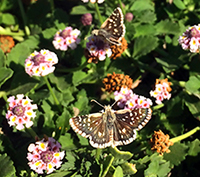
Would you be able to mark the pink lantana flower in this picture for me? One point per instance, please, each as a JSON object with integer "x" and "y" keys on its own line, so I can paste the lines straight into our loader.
{"x": 161, "y": 91}
{"x": 97, "y": 49}
{"x": 45, "y": 155}
{"x": 190, "y": 40}
{"x": 66, "y": 38}
{"x": 129, "y": 100}
{"x": 41, "y": 63}
{"x": 20, "y": 112}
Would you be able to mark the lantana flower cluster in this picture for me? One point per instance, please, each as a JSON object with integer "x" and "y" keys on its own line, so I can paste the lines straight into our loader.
{"x": 162, "y": 89}
{"x": 117, "y": 50}
{"x": 41, "y": 63}
{"x": 45, "y": 155}
{"x": 190, "y": 40}
{"x": 97, "y": 49}
{"x": 6, "y": 43}
{"x": 93, "y": 1}
{"x": 129, "y": 100}
{"x": 114, "y": 82}
{"x": 67, "y": 38}
{"x": 160, "y": 142}
{"x": 20, "y": 112}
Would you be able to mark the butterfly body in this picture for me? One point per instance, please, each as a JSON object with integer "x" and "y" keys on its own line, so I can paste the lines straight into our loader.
{"x": 110, "y": 127}
{"x": 113, "y": 29}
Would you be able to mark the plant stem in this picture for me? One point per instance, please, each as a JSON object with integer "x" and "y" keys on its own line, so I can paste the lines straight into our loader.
{"x": 146, "y": 67}
{"x": 121, "y": 6}
{"x": 179, "y": 83}
{"x": 158, "y": 106}
{"x": 98, "y": 152}
{"x": 53, "y": 94}
{"x": 12, "y": 33}
{"x": 186, "y": 135}
{"x": 108, "y": 167}
{"x": 31, "y": 132}
{"x": 26, "y": 29}
{"x": 52, "y": 5}
{"x": 74, "y": 173}
{"x": 98, "y": 12}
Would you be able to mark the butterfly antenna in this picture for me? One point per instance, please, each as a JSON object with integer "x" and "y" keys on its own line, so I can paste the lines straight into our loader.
{"x": 97, "y": 103}
{"x": 114, "y": 103}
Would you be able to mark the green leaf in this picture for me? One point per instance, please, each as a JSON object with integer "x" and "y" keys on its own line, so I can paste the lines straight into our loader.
{"x": 78, "y": 76}
{"x": 82, "y": 101}
{"x": 66, "y": 141}
{"x": 118, "y": 172}
{"x": 129, "y": 168}
{"x": 157, "y": 167}
{"x": 142, "y": 5}
{"x": 193, "y": 85}
{"x": 194, "y": 148}
{"x": 164, "y": 169}
{"x": 21, "y": 83}
{"x": 17, "y": 56}
{"x": 7, "y": 5}
{"x": 87, "y": 165}
{"x": 144, "y": 45}
{"x": 8, "y": 19}
{"x": 175, "y": 106}
{"x": 177, "y": 154}
{"x": 5, "y": 74}
{"x": 60, "y": 174}
{"x": 70, "y": 156}
{"x": 152, "y": 169}
{"x": 6, "y": 168}
{"x": 2, "y": 58}
{"x": 193, "y": 103}
{"x": 63, "y": 121}
{"x": 49, "y": 33}
{"x": 49, "y": 113}
{"x": 63, "y": 83}
{"x": 147, "y": 29}
{"x": 83, "y": 141}
{"x": 167, "y": 27}
{"x": 168, "y": 64}
{"x": 179, "y": 4}
{"x": 79, "y": 10}
{"x": 67, "y": 98}
{"x": 144, "y": 160}
{"x": 32, "y": 42}
{"x": 173, "y": 125}
{"x": 145, "y": 16}
{"x": 125, "y": 155}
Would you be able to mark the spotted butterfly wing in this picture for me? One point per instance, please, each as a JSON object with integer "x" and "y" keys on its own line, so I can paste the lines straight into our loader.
{"x": 127, "y": 122}
{"x": 93, "y": 127}
{"x": 111, "y": 128}
{"x": 113, "y": 29}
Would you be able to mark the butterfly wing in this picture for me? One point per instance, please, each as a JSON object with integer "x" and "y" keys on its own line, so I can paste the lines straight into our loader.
{"x": 113, "y": 28}
{"x": 92, "y": 126}
{"x": 127, "y": 122}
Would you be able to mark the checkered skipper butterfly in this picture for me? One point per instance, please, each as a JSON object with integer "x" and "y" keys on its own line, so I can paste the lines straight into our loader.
{"x": 110, "y": 127}
{"x": 113, "y": 29}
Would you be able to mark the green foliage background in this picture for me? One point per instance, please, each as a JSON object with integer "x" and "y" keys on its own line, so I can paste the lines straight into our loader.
{"x": 153, "y": 52}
